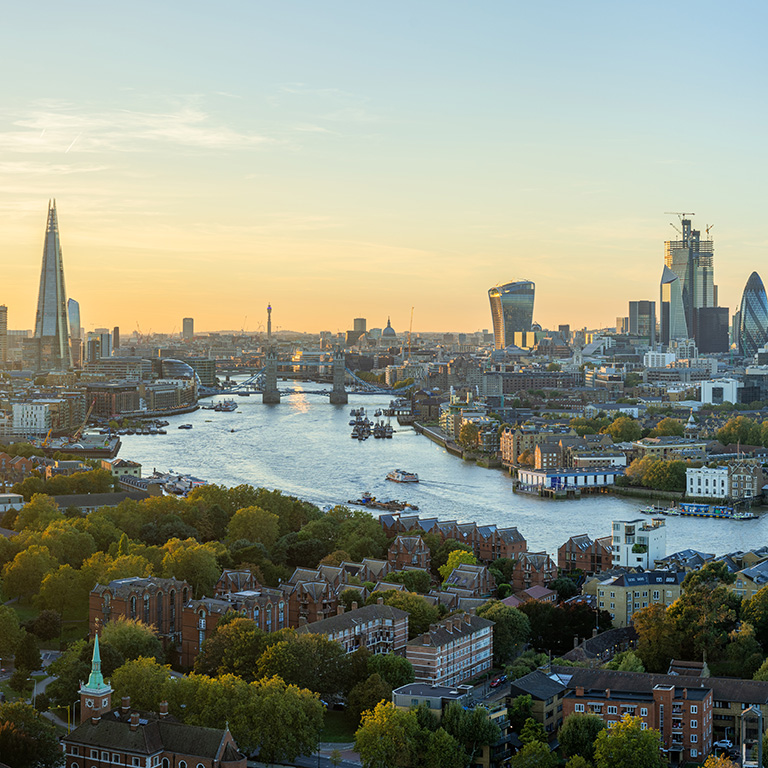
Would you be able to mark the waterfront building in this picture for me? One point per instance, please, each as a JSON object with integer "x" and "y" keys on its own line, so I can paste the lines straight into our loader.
{"x": 188, "y": 328}
{"x": 740, "y": 479}
{"x": 638, "y": 543}
{"x": 205, "y": 368}
{"x": 456, "y": 649}
{"x": 113, "y": 399}
{"x": 565, "y": 480}
{"x": 642, "y": 320}
{"x": 49, "y": 348}
{"x": 584, "y": 554}
{"x": 753, "y": 317}
{"x": 707, "y": 482}
{"x": 121, "y": 467}
{"x": 671, "y": 447}
{"x": 379, "y": 628}
{"x": 511, "y": 310}
{"x": 471, "y": 581}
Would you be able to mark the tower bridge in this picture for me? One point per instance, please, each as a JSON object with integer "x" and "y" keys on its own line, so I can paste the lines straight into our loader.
{"x": 264, "y": 381}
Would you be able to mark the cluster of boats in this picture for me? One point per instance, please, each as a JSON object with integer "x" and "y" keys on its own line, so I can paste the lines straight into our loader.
{"x": 224, "y": 406}
{"x": 370, "y": 501}
{"x": 686, "y": 509}
{"x": 363, "y": 427}
{"x": 153, "y": 428}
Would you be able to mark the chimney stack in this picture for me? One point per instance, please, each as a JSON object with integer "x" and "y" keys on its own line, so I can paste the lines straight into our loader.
{"x": 354, "y": 605}
{"x": 134, "y": 721}
{"x": 379, "y": 601}
{"x": 126, "y": 705}
{"x": 163, "y": 709}
{"x": 340, "y": 609}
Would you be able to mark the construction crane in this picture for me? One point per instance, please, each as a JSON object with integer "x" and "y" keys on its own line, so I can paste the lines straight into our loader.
{"x": 79, "y": 432}
{"x": 45, "y": 442}
{"x": 410, "y": 331}
{"x": 709, "y": 226}
{"x": 678, "y": 213}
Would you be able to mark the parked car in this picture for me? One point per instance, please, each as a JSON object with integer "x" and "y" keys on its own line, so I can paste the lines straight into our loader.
{"x": 723, "y": 744}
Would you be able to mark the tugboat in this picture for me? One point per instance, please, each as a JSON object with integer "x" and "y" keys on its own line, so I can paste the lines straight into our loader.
{"x": 401, "y": 476}
{"x": 185, "y": 426}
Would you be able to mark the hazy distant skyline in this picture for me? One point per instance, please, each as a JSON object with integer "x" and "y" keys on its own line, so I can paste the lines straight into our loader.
{"x": 346, "y": 159}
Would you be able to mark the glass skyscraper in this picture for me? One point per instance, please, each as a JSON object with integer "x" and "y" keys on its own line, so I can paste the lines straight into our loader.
{"x": 511, "y": 310}
{"x": 673, "y": 322}
{"x": 51, "y": 339}
{"x": 753, "y": 316}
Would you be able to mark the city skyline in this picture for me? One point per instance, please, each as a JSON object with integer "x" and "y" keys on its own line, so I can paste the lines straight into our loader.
{"x": 276, "y": 172}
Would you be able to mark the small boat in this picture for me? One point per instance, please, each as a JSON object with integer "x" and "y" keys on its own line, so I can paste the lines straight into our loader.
{"x": 185, "y": 426}
{"x": 401, "y": 476}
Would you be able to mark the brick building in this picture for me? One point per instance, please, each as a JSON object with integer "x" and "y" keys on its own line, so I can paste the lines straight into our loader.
{"x": 408, "y": 551}
{"x": 532, "y": 569}
{"x": 583, "y": 553}
{"x": 471, "y": 581}
{"x": 457, "y": 649}
{"x": 379, "y": 628}
{"x": 155, "y": 601}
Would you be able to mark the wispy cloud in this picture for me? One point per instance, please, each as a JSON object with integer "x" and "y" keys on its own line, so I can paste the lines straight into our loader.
{"x": 32, "y": 167}
{"x": 55, "y": 127}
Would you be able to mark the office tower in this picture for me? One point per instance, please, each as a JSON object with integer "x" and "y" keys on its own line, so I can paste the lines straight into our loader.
{"x": 642, "y": 320}
{"x": 51, "y": 338}
{"x": 3, "y": 334}
{"x": 673, "y": 323}
{"x": 511, "y": 310}
{"x": 622, "y": 325}
{"x": 753, "y": 317}
{"x": 269, "y": 322}
{"x": 73, "y": 313}
{"x": 565, "y": 331}
{"x": 93, "y": 348}
{"x": 360, "y": 325}
{"x": 712, "y": 328}
{"x": 735, "y": 324}
{"x": 188, "y": 328}
{"x": 116, "y": 338}
{"x": 692, "y": 260}
{"x": 105, "y": 341}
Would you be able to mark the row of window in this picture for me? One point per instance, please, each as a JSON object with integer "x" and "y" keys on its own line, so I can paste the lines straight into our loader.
{"x": 134, "y": 761}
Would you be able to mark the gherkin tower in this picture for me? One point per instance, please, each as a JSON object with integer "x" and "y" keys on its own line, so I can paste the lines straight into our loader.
{"x": 753, "y": 322}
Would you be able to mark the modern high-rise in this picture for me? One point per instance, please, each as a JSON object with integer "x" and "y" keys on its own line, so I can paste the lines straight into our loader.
{"x": 105, "y": 341}
{"x": 642, "y": 320}
{"x": 692, "y": 260}
{"x": 51, "y": 339}
{"x": 188, "y": 328}
{"x": 3, "y": 333}
{"x": 753, "y": 317}
{"x": 75, "y": 333}
{"x": 511, "y": 310}
{"x": 673, "y": 323}
{"x": 116, "y": 338}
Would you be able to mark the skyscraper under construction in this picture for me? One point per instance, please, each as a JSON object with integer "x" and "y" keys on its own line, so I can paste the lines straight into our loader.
{"x": 688, "y": 278}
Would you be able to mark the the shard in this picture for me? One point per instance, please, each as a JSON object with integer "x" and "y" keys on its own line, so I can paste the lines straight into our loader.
{"x": 51, "y": 338}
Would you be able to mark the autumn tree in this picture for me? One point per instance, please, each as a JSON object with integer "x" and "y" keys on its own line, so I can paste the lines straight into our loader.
{"x": 456, "y": 558}
{"x": 367, "y": 694}
{"x": 624, "y": 429}
{"x": 578, "y": 733}
{"x": 27, "y": 739}
{"x": 255, "y": 525}
{"x": 511, "y": 629}
{"x": 387, "y": 737}
{"x": 10, "y": 632}
{"x": 626, "y": 743}
{"x": 132, "y": 639}
{"x": 421, "y": 613}
{"x": 394, "y": 670}
{"x": 143, "y": 679}
{"x": 23, "y": 576}
{"x": 534, "y": 755}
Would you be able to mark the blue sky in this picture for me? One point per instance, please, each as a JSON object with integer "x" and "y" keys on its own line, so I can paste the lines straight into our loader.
{"x": 346, "y": 159}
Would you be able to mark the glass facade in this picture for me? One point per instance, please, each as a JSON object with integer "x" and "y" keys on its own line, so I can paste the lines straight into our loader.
{"x": 511, "y": 310}
{"x": 673, "y": 322}
{"x": 753, "y": 316}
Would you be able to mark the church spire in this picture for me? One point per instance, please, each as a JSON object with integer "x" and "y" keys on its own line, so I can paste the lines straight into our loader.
{"x": 96, "y": 694}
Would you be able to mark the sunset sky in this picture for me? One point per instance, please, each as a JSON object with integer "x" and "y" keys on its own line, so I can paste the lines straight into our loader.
{"x": 345, "y": 159}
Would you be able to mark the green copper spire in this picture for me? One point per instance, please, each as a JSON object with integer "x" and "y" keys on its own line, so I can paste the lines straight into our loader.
{"x": 96, "y": 682}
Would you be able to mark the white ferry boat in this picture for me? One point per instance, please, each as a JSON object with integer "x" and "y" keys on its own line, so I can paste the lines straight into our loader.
{"x": 400, "y": 476}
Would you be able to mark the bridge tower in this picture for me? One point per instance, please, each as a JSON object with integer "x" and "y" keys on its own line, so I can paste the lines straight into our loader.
{"x": 271, "y": 393}
{"x": 339, "y": 393}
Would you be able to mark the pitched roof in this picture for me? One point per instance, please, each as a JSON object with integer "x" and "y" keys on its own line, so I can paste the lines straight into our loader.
{"x": 538, "y": 685}
{"x": 354, "y": 618}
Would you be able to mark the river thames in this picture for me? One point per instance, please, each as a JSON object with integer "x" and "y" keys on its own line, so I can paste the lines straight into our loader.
{"x": 303, "y": 447}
